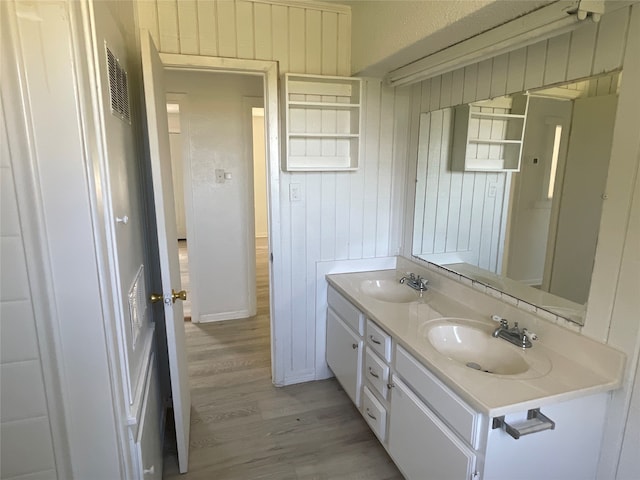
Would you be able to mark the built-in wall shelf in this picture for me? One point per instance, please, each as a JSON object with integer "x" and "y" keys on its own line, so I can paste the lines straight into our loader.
{"x": 487, "y": 136}
{"x": 322, "y": 122}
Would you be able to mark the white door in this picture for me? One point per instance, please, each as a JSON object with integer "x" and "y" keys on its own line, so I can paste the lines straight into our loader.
{"x": 158, "y": 132}
{"x": 344, "y": 355}
{"x": 584, "y": 184}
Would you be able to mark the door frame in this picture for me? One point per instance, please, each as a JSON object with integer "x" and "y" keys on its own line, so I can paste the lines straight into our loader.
{"x": 268, "y": 70}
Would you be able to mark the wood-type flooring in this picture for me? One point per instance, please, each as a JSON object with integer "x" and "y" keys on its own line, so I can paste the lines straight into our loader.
{"x": 244, "y": 428}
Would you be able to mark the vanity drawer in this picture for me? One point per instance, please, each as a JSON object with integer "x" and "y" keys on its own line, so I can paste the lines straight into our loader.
{"x": 379, "y": 340}
{"x": 346, "y": 311}
{"x": 442, "y": 400}
{"x": 376, "y": 372}
{"x": 375, "y": 414}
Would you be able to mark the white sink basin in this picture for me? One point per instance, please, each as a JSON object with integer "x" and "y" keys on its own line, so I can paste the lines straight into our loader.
{"x": 388, "y": 291}
{"x": 470, "y": 343}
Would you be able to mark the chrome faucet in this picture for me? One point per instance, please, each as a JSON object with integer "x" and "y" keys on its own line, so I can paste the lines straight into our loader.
{"x": 416, "y": 282}
{"x": 516, "y": 335}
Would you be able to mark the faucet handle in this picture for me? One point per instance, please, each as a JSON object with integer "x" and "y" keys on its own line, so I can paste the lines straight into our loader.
{"x": 504, "y": 323}
{"x": 530, "y": 335}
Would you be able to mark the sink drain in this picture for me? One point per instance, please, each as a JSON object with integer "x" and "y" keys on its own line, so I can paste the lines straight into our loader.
{"x": 476, "y": 366}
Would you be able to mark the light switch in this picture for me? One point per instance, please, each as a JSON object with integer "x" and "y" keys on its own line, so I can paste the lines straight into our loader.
{"x": 227, "y": 175}
{"x": 295, "y": 192}
{"x": 219, "y": 175}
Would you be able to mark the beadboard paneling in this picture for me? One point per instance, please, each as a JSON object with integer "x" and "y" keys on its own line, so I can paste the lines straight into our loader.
{"x": 341, "y": 216}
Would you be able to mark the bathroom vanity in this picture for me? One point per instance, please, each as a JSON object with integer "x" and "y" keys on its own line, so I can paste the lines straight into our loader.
{"x": 447, "y": 400}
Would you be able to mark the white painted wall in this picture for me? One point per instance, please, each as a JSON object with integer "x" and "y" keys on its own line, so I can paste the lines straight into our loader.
{"x": 259, "y": 174}
{"x": 612, "y": 312}
{"x": 390, "y": 34}
{"x": 219, "y": 137}
{"x": 341, "y": 216}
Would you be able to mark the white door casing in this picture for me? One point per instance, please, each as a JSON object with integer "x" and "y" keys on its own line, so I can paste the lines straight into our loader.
{"x": 160, "y": 158}
{"x": 279, "y": 307}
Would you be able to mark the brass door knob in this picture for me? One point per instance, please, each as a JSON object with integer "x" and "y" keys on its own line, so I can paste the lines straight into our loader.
{"x": 181, "y": 295}
{"x": 156, "y": 297}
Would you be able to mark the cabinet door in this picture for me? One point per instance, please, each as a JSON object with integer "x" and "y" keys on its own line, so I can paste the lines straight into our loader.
{"x": 344, "y": 355}
{"x": 420, "y": 444}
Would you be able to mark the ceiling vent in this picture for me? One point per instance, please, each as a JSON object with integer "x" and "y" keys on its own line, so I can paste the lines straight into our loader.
{"x": 118, "y": 88}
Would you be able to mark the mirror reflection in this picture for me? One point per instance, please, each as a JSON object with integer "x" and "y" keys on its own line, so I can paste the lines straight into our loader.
{"x": 509, "y": 191}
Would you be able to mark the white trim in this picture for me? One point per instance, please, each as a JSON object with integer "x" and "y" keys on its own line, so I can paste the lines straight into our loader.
{"x": 248, "y": 104}
{"x": 541, "y": 24}
{"x": 303, "y": 377}
{"x": 309, "y": 5}
{"x": 93, "y": 129}
{"x": 219, "y": 317}
{"x": 269, "y": 71}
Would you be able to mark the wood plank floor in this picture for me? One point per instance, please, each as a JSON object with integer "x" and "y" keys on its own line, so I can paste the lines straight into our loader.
{"x": 242, "y": 427}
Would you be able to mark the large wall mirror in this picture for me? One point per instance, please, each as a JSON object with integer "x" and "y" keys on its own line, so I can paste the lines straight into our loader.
{"x": 509, "y": 191}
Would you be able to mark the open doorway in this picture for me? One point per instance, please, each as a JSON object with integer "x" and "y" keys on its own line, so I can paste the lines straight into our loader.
{"x": 217, "y": 140}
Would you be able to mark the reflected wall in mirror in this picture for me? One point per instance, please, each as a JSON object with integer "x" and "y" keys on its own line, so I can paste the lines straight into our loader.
{"x": 509, "y": 191}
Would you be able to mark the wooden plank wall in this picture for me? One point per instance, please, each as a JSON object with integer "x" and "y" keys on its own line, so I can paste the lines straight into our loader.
{"x": 590, "y": 50}
{"x": 346, "y": 215}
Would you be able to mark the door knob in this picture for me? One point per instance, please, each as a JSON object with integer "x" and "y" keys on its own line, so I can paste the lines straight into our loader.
{"x": 157, "y": 297}
{"x": 181, "y": 295}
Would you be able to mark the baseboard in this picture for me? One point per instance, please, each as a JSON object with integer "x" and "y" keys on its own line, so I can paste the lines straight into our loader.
{"x": 308, "y": 376}
{"x": 218, "y": 317}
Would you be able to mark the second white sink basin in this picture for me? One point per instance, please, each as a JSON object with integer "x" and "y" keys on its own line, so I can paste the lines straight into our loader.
{"x": 471, "y": 344}
{"x": 389, "y": 291}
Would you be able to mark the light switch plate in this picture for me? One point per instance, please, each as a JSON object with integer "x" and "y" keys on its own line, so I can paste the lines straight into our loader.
{"x": 295, "y": 194}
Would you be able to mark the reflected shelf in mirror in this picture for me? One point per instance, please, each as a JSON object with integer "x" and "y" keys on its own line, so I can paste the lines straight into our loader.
{"x": 531, "y": 233}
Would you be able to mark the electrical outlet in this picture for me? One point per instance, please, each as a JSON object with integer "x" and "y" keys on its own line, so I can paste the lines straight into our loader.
{"x": 493, "y": 188}
{"x": 219, "y": 175}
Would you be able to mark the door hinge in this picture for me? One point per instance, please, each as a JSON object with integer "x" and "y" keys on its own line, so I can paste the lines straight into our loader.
{"x": 271, "y": 257}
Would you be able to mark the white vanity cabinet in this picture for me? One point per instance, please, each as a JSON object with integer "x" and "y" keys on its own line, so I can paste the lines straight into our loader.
{"x": 345, "y": 344}
{"x": 430, "y": 431}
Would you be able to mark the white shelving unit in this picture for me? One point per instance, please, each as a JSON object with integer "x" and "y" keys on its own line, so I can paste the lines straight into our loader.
{"x": 487, "y": 136}
{"x": 323, "y": 117}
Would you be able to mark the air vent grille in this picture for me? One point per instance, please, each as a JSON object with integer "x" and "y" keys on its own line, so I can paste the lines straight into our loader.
{"x": 118, "y": 88}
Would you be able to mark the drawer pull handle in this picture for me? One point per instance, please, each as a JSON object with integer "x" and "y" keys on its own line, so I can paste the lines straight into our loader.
{"x": 370, "y": 415}
{"x": 354, "y": 345}
{"x": 373, "y": 374}
{"x": 373, "y": 339}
